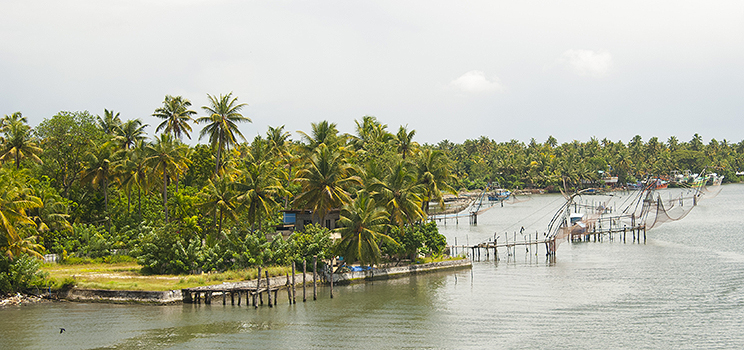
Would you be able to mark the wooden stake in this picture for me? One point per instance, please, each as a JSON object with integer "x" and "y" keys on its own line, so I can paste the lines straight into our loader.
{"x": 315, "y": 277}
{"x": 268, "y": 288}
{"x": 304, "y": 280}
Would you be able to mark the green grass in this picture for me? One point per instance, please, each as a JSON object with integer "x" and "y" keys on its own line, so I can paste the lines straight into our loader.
{"x": 127, "y": 276}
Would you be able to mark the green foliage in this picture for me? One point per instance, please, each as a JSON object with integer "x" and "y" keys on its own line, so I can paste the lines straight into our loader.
{"x": 20, "y": 273}
{"x": 417, "y": 239}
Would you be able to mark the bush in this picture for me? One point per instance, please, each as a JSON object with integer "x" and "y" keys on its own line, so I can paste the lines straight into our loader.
{"x": 20, "y": 273}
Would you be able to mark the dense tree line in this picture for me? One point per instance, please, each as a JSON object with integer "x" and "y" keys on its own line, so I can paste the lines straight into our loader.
{"x": 548, "y": 165}
{"x": 87, "y": 186}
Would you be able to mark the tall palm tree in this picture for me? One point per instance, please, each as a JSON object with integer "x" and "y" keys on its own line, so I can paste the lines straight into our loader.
{"x": 15, "y": 201}
{"x": 432, "y": 167}
{"x": 219, "y": 199}
{"x": 130, "y": 132}
{"x": 109, "y": 122}
{"x": 177, "y": 116}
{"x": 19, "y": 144}
{"x": 259, "y": 185}
{"x": 98, "y": 170}
{"x": 362, "y": 226}
{"x": 325, "y": 180}
{"x": 404, "y": 141}
{"x": 165, "y": 158}
{"x": 131, "y": 171}
{"x": 323, "y": 132}
{"x": 15, "y": 117}
{"x": 399, "y": 192}
{"x": 224, "y": 113}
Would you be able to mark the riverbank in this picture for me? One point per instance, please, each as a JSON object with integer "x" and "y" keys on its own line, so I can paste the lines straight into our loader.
{"x": 176, "y": 295}
{"x": 21, "y": 299}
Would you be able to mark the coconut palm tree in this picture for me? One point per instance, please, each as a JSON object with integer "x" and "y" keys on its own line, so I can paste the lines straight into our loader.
{"x": 259, "y": 185}
{"x": 177, "y": 116}
{"x": 325, "y": 180}
{"x": 15, "y": 201}
{"x": 130, "y": 170}
{"x": 19, "y": 144}
{"x": 400, "y": 193}
{"x": 404, "y": 141}
{"x": 323, "y": 132}
{"x": 165, "y": 158}
{"x": 224, "y": 113}
{"x": 362, "y": 226}
{"x": 109, "y": 122}
{"x": 432, "y": 168}
{"x": 98, "y": 170}
{"x": 219, "y": 199}
{"x": 130, "y": 132}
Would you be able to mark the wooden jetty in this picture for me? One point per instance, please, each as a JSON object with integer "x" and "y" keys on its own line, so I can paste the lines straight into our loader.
{"x": 252, "y": 291}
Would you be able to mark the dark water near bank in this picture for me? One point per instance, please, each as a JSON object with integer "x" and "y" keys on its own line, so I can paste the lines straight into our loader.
{"x": 682, "y": 289}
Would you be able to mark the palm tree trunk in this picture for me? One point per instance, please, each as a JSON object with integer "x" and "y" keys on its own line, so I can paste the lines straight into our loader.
{"x": 219, "y": 228}
{"x": 139, "y": 203}
{"x": 219, "y": 153}
{"x": 165, "y": 194}
{"x": 105, "y": 205}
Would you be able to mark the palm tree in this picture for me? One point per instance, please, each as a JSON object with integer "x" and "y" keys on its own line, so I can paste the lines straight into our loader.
{"x": 323, "y": 132}
{"x": 15, "y": 117}
{"x": 98, "y": 170}
{"x": 15, "y": 200}
{"x": 109, "y": 122}
{"x": 432, "y": 167}
{"x": 325, "y": 179}
{"x": 19, "y": 144}
{"x": 131, "y": 170}
{"x": 165, "y": 158}
{"x": 219, "y": 199}
{"x": 129, "y": 133}
{"x": 177, "y": 116}
{"x": 259, "y": 186}
{"x": 362, "y": 226}
{"x": 399, "y": 192}
{"x": 404, "y": 141}
{"x": 224, "y": 113}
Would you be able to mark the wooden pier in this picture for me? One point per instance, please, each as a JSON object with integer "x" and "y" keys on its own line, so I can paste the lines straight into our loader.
{"x": 253, "y": 291}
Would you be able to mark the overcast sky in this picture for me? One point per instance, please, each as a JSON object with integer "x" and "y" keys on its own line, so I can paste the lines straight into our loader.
{"x": 451, "y": 70}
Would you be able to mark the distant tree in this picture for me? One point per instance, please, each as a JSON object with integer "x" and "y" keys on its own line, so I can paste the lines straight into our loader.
{"x": 176, "y": 115}
{"x": 19, "y": 144}
{"x": 109, "y": 122}
{"x": 129, "y": 133}
{"x": 224, "y": 113}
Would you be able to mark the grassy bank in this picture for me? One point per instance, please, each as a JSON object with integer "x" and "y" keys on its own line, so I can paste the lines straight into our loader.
{"x": 127, "y": 276}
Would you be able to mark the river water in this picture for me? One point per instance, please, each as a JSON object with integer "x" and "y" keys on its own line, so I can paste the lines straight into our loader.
{"x": 681, "y": 289}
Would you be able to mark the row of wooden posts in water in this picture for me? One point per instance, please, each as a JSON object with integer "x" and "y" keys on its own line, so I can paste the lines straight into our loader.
{"x": 550, "y": 243}
{"x": 256, "y": 294}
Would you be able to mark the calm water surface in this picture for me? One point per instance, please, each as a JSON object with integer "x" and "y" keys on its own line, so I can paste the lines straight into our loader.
{"x": 682, "y": 289}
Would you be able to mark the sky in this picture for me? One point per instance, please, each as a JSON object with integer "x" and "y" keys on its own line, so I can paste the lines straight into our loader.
{"x": 452, "y": 70}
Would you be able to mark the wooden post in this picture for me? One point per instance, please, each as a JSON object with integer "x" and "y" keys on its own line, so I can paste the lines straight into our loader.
{"x": 268, "y": 288}
{"x": 253, "y": 295}
{"x": 224, "y": 297}
{"x": 331, "y": 274}
{"x": 232, "y": 298}
{"x": 304, "y": 280}
{"x": 315, "y": 277}
{"x": 258, "y": 286}
{"x": 289, "y": 290}
{"x": 294, "y": 289}
{"x": 275, "y": 298}
{"x": 239, "y": 296}
{"x": 208, "y": 298}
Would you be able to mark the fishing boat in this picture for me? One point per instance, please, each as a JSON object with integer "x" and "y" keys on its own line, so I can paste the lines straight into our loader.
{"x": 498, "y": 195}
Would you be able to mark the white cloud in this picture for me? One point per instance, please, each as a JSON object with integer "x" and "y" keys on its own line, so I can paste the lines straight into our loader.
{"x": 475, "y": 81}
{"x": 587, "y": 62}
